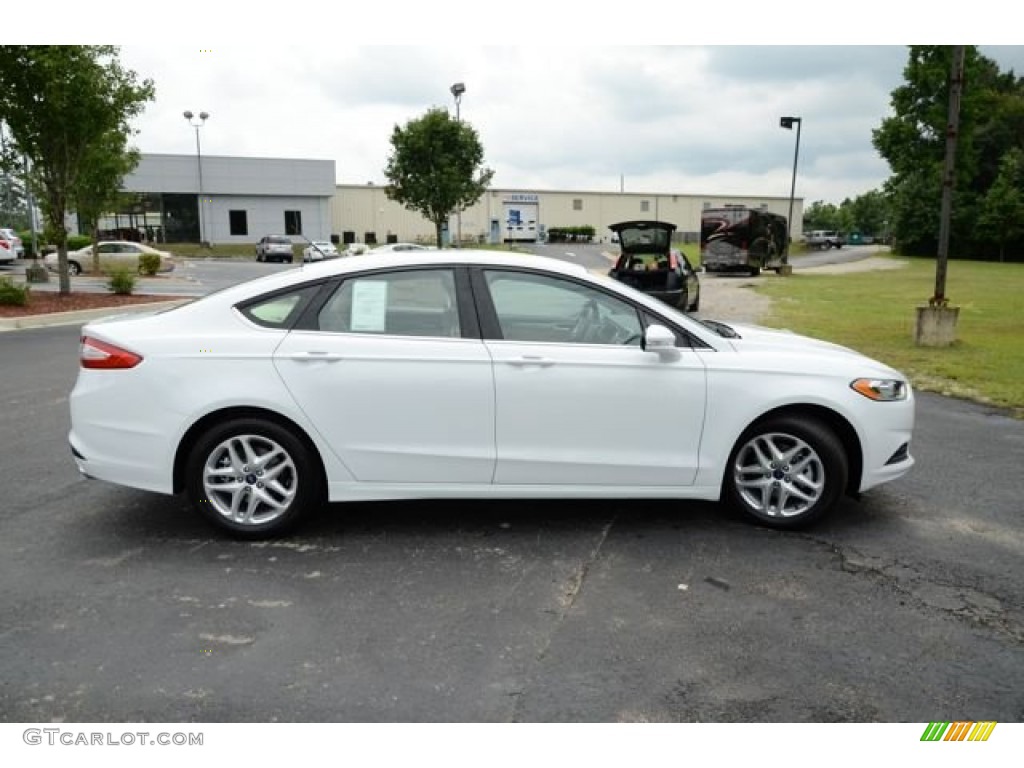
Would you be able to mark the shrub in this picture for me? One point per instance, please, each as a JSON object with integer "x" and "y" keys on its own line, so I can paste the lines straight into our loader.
{"x": 149, "y": 263}
{"x": 75, "y": 242}
{"x": 11, "y": 294}
{"x": 26, "y": 241}
{"x": 122, "y": 282}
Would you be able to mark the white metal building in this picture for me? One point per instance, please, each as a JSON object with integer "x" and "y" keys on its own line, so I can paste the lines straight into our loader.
{"x": 238, "y": 200}
{"x": 363, "y": 213}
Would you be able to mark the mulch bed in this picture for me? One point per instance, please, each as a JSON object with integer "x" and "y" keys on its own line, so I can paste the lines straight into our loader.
{"x": 47, "y": 302}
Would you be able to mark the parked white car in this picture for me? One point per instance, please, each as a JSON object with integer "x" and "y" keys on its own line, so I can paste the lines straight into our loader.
{"x": 114, "y": 254}
{"x": 10, "y": 241}
{"x": 8, "y": 254}
{"x": 399, "y": 247}
{"x": 319, "y": 250}
{"x": 472, "y": 374}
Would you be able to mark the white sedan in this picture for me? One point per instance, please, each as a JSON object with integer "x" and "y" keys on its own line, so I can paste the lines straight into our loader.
{"x": 474, "y": 375}
{"x": 114, "y": 254}
{"x": 318, "y": 250}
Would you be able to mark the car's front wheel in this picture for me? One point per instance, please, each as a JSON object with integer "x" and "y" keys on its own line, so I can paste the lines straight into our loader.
{"x": 74, "y": 268}
{"x": 786, "y": 472}
{"x": 253, "y": 478}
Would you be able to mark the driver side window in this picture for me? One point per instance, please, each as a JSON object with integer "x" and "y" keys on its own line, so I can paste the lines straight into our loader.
{"x": 546, "y": 309}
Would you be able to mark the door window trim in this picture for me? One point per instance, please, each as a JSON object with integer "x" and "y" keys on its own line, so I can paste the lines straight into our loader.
{"x": 491, "y": 329}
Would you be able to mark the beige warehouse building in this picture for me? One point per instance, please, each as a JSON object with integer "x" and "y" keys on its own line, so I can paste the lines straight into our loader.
{"x": 364, "y": 214}
{"x": 237, "y": 200}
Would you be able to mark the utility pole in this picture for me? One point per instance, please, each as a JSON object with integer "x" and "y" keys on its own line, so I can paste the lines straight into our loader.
{"x": 956, "y": 82}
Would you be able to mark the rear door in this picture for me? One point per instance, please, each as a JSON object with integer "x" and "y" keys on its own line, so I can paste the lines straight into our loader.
{"x": 396, "y": 379}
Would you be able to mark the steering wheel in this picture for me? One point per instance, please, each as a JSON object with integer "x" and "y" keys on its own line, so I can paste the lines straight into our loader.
{"x": 588, "y": 317}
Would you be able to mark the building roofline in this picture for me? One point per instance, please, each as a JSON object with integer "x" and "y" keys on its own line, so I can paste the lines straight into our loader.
{"x": 529, "y": 190}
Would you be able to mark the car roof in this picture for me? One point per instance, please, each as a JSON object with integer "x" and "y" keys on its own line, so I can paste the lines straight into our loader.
{"x": 368, "y": 261}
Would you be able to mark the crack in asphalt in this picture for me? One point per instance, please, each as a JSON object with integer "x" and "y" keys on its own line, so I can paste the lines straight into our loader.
{"x": 959, "y": 601}
{"x": 567, "y": 600}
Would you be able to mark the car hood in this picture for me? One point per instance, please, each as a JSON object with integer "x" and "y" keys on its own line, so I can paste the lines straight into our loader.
{"x": 753, "y": 338}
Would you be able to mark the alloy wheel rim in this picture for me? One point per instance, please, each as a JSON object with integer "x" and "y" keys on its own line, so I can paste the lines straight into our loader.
{"x": 779, "y": 475}
{"x": 250, "y": 479}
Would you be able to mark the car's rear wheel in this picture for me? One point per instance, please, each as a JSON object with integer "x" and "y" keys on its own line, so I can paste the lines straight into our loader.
{"x": 252, "y": 478}
{"x": 786, "y": 472}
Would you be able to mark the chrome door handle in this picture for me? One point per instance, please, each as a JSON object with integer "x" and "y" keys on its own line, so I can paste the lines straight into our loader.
{"x": 543, "y": 362}
{"x": 313, "y": 356}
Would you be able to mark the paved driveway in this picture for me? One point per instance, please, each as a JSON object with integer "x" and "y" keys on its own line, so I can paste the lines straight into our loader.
{"x": 120, "y": 605}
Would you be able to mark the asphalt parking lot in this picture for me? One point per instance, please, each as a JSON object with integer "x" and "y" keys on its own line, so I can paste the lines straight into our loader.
{"x": 118, "y": 605}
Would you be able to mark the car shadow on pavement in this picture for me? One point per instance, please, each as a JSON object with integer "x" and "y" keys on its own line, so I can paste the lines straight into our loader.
{"x": 137, "y": 517}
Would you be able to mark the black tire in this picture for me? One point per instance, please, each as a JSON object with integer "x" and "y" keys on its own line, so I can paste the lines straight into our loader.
{"x": 291, "y": 487}
{"x": 779, "y": 495}
{"x": 755, "y": 271}
{"x": 291, "y": 259}
{"x": 74, "y": 268}
{"x": 259, "y": 256}
{"x": 695, "y": 307}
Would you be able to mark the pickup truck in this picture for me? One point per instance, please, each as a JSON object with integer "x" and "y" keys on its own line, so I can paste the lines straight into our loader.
{"x": 824, "y": 239}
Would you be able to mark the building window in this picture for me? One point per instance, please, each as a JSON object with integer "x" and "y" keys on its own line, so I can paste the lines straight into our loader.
{"x": 645, "y": 206}
{"x": 293, "y": 222}
{"x": 577, "y": 204}
{"x": 238, "y": 222}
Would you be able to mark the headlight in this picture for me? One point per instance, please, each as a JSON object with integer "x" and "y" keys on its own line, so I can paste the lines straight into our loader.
{"x": 884, "y": 390}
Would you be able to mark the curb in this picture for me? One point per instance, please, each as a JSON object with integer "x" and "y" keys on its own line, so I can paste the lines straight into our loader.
{"x": 83, "y": 316}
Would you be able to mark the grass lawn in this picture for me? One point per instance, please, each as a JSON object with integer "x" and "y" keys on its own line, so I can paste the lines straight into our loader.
{"x": 873, "y": 312}
{"x": 196, "y": 251}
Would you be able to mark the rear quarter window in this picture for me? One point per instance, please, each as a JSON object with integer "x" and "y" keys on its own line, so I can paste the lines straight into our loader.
{"x": 278, "y": 310}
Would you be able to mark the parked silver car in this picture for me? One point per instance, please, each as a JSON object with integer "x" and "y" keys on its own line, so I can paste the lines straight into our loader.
{"x": 275, "y": 248}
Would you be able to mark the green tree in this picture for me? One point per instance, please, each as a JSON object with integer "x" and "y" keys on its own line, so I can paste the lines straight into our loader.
{"x": 62, "y": 105}
{"x": 99, "y": 184}
{"x": 821, "y": 215}
{"x": 1002, "y": 210}
{"x": 13, "y": 207}
{"x": 436, "y": 167}
{"x": 912, "y": 141}
{"x": 870, "y": 212}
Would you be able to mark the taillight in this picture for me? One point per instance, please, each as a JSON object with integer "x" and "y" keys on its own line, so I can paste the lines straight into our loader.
{"x": 94, "y": 353}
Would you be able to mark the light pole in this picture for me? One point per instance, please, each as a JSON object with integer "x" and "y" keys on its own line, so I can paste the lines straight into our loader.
{"x": 457, "y": 90}
{"x": 199, "y": 159}
{"x": 787, "y": 123}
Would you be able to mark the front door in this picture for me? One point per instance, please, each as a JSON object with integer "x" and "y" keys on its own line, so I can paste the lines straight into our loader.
{"x": 578, "y": 401}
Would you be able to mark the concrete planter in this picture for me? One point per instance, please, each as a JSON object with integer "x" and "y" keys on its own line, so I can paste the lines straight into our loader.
{"x": 936, "y": 326}
{"x": 36, "y": 273}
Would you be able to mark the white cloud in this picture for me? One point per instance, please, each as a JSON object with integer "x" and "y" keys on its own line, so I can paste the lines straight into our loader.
{"x": 670, "y": 119}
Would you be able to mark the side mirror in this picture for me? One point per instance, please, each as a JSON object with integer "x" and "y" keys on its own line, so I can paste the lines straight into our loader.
{"x": 658, "y": 338}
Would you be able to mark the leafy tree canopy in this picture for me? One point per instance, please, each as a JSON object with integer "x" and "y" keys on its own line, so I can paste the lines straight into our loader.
{"x": 912, "y": 141}
{"x": 436, "y": 167}
{"x": 69, "y": 110}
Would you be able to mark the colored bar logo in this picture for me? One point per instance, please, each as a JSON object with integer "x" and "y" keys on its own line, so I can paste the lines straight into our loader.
{"x": 962, "y": 730}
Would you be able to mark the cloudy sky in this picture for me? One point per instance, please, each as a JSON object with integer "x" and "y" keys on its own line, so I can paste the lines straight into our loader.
{"x": 582, "y": 114}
